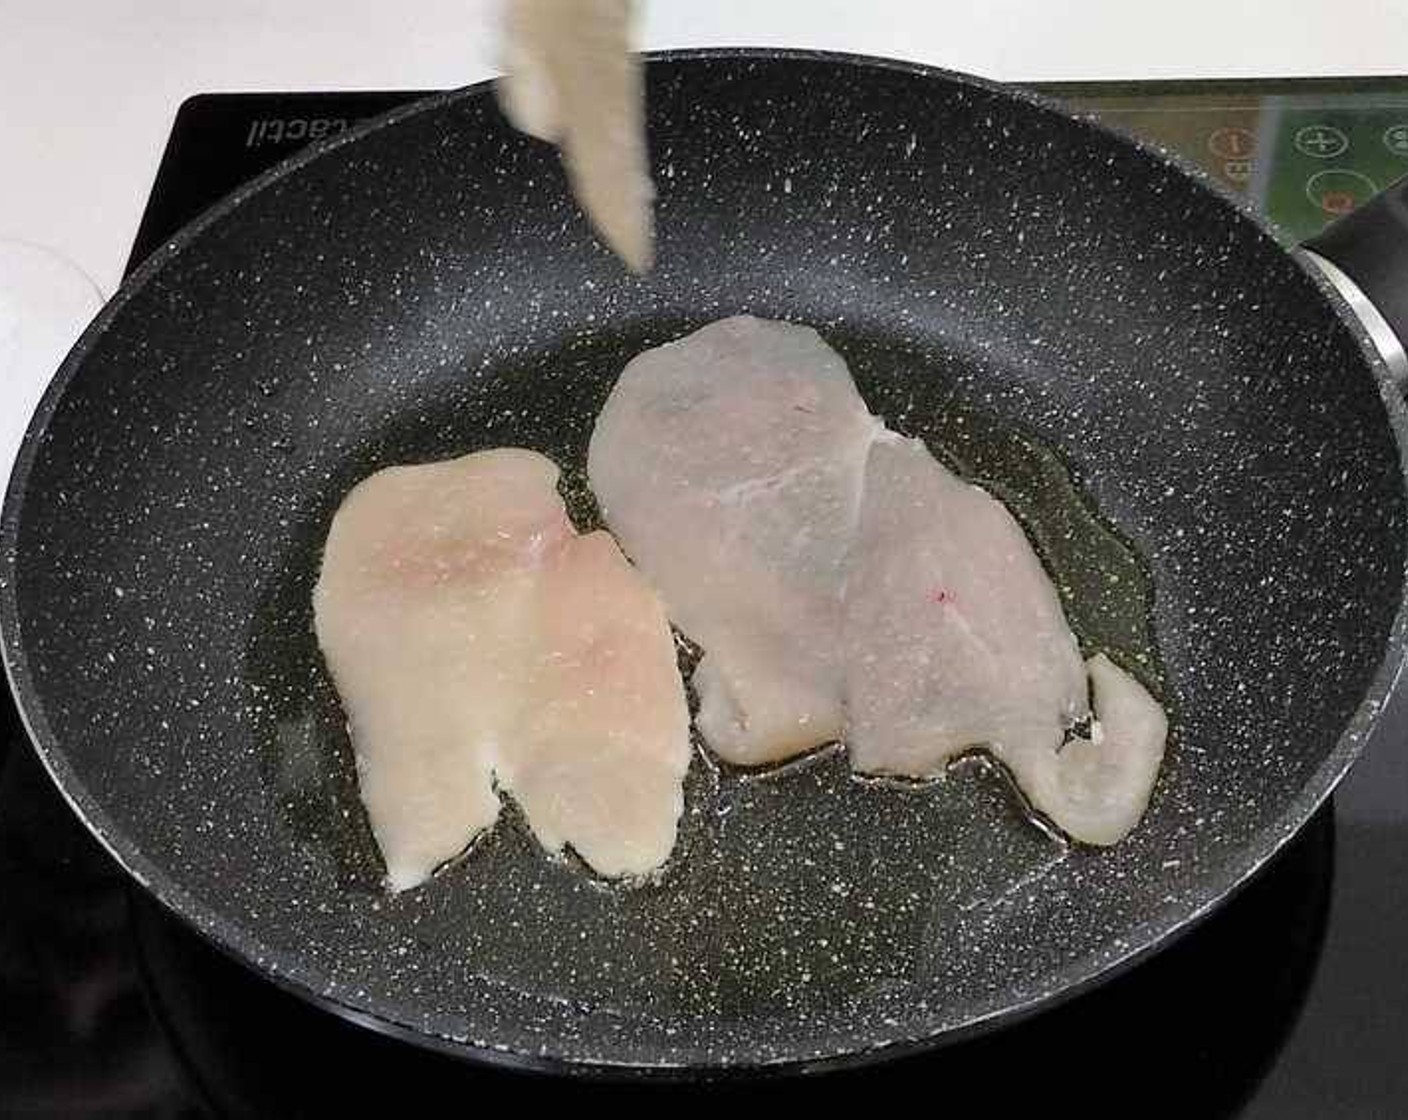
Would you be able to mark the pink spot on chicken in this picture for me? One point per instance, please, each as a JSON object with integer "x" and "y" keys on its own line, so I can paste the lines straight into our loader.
{"x": 940, "y": 595}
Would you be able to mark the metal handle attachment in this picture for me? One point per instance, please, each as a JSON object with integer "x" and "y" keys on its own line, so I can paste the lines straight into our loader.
{"x": 1383, "y": 336}
{"x": 1365, "y": 256}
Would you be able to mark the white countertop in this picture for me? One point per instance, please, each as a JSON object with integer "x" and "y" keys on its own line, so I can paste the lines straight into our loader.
{"x": 88, "y": 88}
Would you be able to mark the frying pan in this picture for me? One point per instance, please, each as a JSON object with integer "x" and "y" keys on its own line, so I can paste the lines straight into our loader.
{"x": 1056, "y": 309}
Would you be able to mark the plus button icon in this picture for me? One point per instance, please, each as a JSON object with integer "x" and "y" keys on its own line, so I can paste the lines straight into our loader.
{"x": 1321, "y": 141}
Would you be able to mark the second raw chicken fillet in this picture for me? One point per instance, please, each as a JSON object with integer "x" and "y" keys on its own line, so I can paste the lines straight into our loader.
{"x": 474, "y": 637}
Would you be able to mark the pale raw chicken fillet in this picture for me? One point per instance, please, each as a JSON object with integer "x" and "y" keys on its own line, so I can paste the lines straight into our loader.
{"x": 955, "y": 638}
{"x": 435, "y": 611}
{"x": 729, "y": 465}
{"x": 571, "y": 79}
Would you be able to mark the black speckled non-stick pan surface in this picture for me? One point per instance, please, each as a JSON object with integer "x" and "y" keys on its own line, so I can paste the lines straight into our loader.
{"x": 1194, "y": 435}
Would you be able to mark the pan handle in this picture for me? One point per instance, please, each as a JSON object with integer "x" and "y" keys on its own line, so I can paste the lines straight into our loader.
{"x": 1365, "y": 256}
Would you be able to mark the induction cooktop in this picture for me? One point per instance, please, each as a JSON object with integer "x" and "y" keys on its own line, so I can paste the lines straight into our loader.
{"x": 1290, "y": 1002}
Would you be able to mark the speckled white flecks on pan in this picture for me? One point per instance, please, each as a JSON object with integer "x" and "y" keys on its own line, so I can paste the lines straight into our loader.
{"x": 473, "y": 635}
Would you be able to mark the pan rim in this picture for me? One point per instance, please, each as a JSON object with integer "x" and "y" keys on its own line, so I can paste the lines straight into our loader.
{"x": 224, "y": 933}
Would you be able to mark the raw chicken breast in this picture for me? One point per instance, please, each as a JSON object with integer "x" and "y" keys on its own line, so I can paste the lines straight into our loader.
{"x": 729, "y": 465}
{"x": 841, "y": 581}
{"x": 955, "y": 638}
{"x": 445, "y": 588}
{"x": 1099, "y": 787}
{"x": 603, "y": 743}
{"x": 572, "y": 79}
